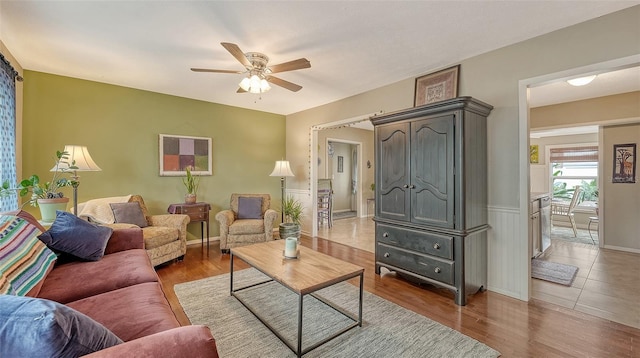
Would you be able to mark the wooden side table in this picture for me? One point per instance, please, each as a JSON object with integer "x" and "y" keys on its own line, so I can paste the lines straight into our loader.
{"x": 198, "y": 212}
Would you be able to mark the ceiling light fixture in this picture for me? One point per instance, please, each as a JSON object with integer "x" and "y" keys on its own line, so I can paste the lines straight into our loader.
{"x": 254, "y": 84}
{"x": 581, "y": 81}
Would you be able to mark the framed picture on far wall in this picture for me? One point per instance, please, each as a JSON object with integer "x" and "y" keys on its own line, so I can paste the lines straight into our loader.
{"x": 624, "y": 163}
{"x": 437, "y": 86}
{"x": 177, "y": 152}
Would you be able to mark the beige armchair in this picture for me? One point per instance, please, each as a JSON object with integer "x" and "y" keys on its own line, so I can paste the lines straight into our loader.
{"x": 236, "y": 231}
{"x": 165, "y": 237}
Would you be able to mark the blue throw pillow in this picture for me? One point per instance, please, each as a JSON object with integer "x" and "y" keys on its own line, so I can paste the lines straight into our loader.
{"x": 35, "y": 327}
{"x": 249, "y": 207}
{"x": 74, "y": 236}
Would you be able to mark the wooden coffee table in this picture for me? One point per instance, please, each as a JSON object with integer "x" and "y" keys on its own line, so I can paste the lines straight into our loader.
{"x": 309, "y": 273}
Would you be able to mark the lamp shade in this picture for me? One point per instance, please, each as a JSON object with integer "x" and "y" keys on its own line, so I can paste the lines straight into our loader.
{"x": 282, "y": 169}
{"x": 78, "y": 155}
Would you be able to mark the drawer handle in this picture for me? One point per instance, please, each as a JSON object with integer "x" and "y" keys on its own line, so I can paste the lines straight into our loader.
{"x": 436, "y": 246}
{"x": 437, "y": 270}
{"x": 386, "y": 234}
{"x": 386, "y": 254}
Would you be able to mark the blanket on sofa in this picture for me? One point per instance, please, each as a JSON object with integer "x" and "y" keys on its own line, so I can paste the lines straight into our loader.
{"x": 99, "y": 211}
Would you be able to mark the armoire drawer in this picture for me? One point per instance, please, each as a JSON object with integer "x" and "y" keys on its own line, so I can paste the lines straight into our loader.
{"x": 420, "y": 241}
{"x": 424, "y": 265}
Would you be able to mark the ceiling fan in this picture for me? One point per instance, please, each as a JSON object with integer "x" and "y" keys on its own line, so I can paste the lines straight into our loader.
{"x": 258, "y": 73}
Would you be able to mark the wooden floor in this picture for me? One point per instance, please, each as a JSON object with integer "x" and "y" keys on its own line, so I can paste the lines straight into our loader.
{"x": 514, "y": 328}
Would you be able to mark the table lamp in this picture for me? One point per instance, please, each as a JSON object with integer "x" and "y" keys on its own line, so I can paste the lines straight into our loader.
{"x": 78, "y": 156}
{"x": 282, "y": 170}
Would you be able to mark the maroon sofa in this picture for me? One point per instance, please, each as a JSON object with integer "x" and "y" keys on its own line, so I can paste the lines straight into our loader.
{"x": 122, "y": 292}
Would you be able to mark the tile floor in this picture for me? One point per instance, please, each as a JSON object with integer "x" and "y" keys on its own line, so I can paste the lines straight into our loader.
{"x": 607, "y": 284}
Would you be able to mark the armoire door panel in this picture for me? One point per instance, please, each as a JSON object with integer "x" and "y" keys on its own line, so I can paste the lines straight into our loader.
{"x": 392, "y": 180}
{"x": 432, "y": 171}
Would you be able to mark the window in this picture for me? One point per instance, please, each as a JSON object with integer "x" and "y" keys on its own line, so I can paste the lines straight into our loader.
{"x": 573, "y": 166}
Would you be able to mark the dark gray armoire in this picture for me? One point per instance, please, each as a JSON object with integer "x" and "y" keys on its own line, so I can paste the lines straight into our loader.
{"x": 431, "y": 194}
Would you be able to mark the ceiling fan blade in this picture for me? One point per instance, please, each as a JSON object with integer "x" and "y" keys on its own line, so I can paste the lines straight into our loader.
{"x": 291, "y": 65}
{"x": 216, "y": 71}
{"x": 237, "y": 53}
{"x": 284, "y": 84}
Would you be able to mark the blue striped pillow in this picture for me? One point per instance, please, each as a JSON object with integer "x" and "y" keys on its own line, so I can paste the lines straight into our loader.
{"x": 24, "y": 259}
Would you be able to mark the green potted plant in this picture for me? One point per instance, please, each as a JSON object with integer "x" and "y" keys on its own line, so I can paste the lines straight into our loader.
{"x": 48, "y": 195}
{"x": 293, "y": 212}
{"x": 190, "y": 182}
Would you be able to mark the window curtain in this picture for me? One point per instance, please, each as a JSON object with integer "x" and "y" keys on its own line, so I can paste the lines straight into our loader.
{"x": 8, "y": 132}
{"x": 354, "y": 170}
{"x": 574, "y": 154}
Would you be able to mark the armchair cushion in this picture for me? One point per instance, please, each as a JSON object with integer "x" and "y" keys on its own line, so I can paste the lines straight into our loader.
{"x": 249, "y": 207}
{"x": 33, "y": 327}
{"x": 247, "y": 226}
{"x": 74, "y": 236}
{"x": 130, "y": 213}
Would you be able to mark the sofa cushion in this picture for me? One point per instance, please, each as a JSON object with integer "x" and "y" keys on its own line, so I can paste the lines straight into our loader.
{"x": 248, "y": 226}
{"x": 156, "y": 236}
{"x": 33, "y": 327}
{"x": 76, "y": 280}
{"x": 25, "y": 261}
{"x": 77, "y": 237}
{"x": 131, "y": 312}
{"x": 249, "y": 207}
{"x": 130, "y": 213}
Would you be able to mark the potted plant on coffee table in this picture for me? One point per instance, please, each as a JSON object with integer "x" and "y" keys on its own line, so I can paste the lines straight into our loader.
{"x": 190, "y": 182}
{"x": 48, "y": 195}
{"x": 293, "y": 212}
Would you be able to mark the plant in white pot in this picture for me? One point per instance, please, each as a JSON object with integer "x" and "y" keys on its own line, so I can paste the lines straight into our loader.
{"x": 293, "y": 212}
{"x": 48, "y": 195}
{"x": 190, "y": 182}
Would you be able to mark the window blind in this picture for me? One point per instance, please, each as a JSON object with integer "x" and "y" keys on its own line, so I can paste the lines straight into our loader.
{"x": 574, "y": 154}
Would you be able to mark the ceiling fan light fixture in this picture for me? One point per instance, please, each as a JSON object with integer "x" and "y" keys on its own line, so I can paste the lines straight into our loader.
{"x": 264, "y": 85}
{"x": 581, "y": 81}
{"x": 245, "y": 84}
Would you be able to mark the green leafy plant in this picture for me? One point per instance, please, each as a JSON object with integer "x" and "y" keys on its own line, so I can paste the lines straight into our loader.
{"x": 191, "y": 182}
{"x": 46, "y": 190}
{"x": 590, "y": 190}
{"x": 293, "y": 210}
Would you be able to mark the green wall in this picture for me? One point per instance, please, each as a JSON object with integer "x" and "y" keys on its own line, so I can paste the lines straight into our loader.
{"x": 120, "y": 127}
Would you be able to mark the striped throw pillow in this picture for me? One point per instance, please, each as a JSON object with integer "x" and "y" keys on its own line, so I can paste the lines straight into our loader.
{"x": 24, "y": 259}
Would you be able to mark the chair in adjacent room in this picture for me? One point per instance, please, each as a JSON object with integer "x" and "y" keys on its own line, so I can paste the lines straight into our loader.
{"x": 565, "y": 211}
{"x": 325, "y": 202}
{"x": 249, "y": 220}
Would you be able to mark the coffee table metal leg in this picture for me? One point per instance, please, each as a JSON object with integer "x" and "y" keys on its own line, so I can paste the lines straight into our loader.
{"x": 299, "y": 352}
{"x": 361, "y": 299}
{"x": 231, "y": 274}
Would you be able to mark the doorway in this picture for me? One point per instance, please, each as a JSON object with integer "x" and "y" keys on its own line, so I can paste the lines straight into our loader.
{"x": 587, "y": 296}
{"x": 356, "y": 132}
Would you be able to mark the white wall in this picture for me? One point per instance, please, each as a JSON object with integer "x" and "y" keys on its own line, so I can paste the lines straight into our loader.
{"x": 492, "y": 77}
{"x": 620, "y": 204}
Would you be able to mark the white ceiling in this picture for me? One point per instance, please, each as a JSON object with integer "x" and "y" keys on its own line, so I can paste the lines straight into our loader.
{"x": 353, "y": 46}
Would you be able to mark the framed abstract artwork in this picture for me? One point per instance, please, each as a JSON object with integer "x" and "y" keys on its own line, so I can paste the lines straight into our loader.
{"x": 533, "y": 154}
{"x": 179, "y": 152}
{"x": 624, "y": 163}
{"x": 437, "y": 86}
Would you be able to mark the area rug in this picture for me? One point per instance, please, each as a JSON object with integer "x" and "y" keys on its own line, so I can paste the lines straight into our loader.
{"x": 566, "y": 234}
{"x": 388, "y": 330}
{"x": 553, "y": 272}
{"x": 343, "y": 215}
